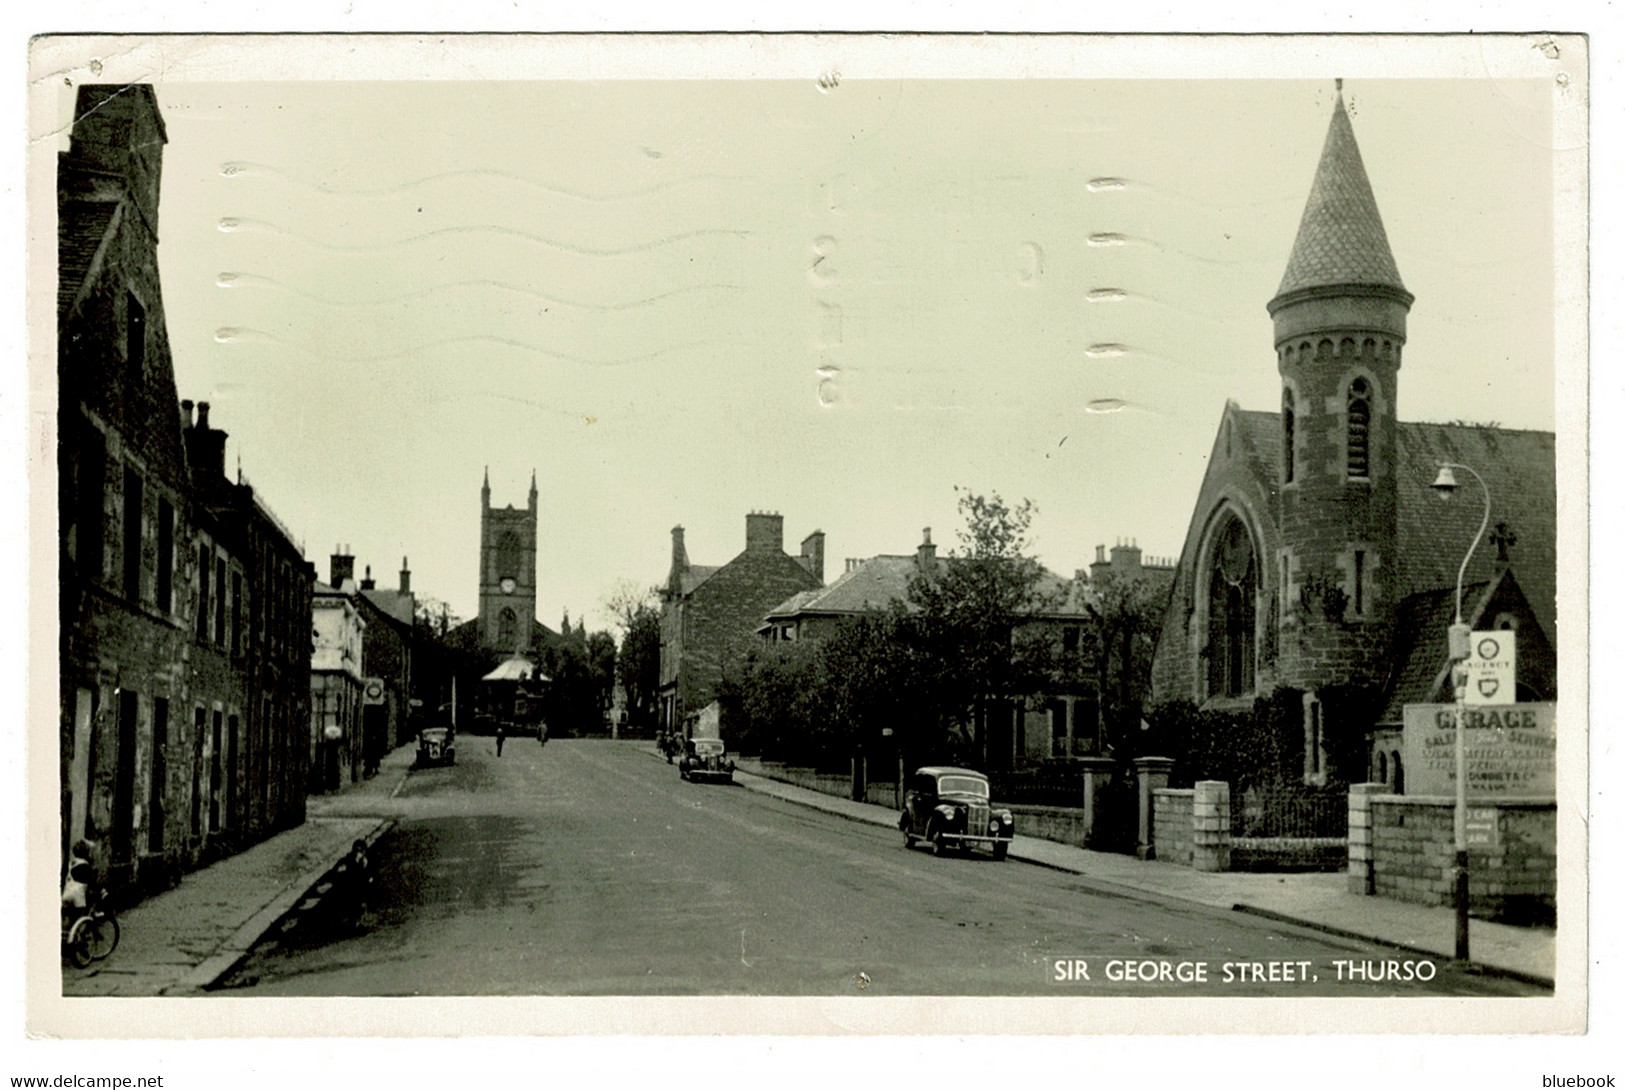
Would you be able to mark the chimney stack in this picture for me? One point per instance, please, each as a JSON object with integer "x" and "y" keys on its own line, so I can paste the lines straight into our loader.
{"x": 679, "y": 552}
{"x": 186, "y": 413}
{"x": 366, "y": 580}
{"x": 925, "y": 557}
{"x": 406, "y": 577}
{"x": 764, "y": 532}
{"x": 812, "y": 554}
{"x": 341, "y": 567}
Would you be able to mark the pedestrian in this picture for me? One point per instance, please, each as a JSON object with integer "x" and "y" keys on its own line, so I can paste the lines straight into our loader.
{"x": 501, "y": 736}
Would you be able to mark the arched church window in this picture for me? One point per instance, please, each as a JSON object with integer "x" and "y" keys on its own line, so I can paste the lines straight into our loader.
{"x": 1289, "y": 424}
{"x": 1359, "y": 418}
{"x": 510, "y": 554}
{"x": 507, "y": 630}
{"x": 1232, "y": 606}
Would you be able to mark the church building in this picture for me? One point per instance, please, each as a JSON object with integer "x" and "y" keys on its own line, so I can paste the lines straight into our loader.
{"x": 1318, "y": 555}
{"x": 507, "y": 572}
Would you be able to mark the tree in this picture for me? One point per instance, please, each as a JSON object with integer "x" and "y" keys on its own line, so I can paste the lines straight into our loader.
{"x": 637, "y": 663}
{"x": 1128, "y": 613}
{"x": 968, "y": 614}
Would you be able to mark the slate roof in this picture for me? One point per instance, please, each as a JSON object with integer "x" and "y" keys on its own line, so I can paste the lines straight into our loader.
{"x": 1421, "y": 664}
{"x": 1340, "y": 240}
{"x": 1520, "y": 470}
{"x": 695, "y": 574}
{"x": 877, "y": 582}
{"x": 82, "y": 229}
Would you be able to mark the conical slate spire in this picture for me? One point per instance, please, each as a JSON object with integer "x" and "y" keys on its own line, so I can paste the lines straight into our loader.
{"x": 1340, "y": 239}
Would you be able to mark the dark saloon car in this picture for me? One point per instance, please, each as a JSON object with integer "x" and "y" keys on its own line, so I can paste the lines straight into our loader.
{"x": 949, "y": 809}
{"x": 705, "y": 759}
{"x": 437, "y": 746}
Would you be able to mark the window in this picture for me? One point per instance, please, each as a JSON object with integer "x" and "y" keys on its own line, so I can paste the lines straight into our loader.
{"x": 1232, "y": 605}
{"x": 164, "y": 591}
{"x": 1071, "y": 635}
{"x": 1288, "y": 433}
{"x": 200, "y": 720}
{"x": 135, "y": 330}
{"x": 205, "y": 561}
{"x": 236, "y": 613}
{"x": 1359, "y": 424}
{"x": 507, "y": 630}
{"x": 158, "y": 782}
{"x": 1058, "y": 733}
{"x": 1314, "y": 741}
{"x": 215, "y": 775}
{"x": 510, "y": 556}
{"x": 89, "y": 500}
{"x": 1285, "y": 596}
{"x": 132, "y": 534}
{"x": 1359, "y": 582}
{"x": 233, "y": 729}
{"x": 220, "y": 599}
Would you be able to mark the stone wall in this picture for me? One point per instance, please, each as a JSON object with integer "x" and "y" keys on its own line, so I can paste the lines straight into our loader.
{"x": 1172, "y": 821}
{"x": 1413, "y": 851}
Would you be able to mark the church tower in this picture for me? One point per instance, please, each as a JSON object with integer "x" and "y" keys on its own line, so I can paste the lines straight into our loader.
{"x": 507, "y": 572}
{"x": 1339, "y": 330}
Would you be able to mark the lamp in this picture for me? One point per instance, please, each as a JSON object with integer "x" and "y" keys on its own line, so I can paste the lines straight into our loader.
{"x": 1445, "y": 485}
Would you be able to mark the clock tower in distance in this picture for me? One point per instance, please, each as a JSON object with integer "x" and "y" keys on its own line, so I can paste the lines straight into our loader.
{"x": 507, "y": 572}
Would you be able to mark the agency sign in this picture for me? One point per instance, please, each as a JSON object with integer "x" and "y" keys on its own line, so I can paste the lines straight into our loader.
{"x": 1511, "y": 751}
{"x": 1491, "y": 668}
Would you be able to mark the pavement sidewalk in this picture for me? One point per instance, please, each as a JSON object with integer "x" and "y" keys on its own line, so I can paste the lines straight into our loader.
{"x": 1319, "y": 901}
{"x": 182, "y": 940}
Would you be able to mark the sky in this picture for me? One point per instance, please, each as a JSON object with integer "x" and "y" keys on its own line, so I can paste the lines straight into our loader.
{"x": 680, "y": 301}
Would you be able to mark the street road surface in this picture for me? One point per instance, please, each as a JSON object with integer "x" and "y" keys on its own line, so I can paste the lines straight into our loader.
{"x": 587, "y": 867}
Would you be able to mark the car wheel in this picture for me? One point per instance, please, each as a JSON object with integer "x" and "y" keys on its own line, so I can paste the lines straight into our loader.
{"x": 1001, "y": 849}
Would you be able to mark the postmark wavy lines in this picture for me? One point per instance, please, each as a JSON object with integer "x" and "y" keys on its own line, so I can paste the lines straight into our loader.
{"x": 233, "y": 279}
{"x": 244, "y": 169}
{"x": 234, "y": 224}
{"x": 229, "y": 335}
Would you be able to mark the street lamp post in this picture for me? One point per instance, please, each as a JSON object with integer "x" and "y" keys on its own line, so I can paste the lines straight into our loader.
{"x": 1445, "y": 483}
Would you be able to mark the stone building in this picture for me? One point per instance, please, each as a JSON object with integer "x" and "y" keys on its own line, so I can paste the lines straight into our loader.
{"x": 1316, "y": 537}
{"x": 183, "y": 604}
{"x": 507, "y": 618}
{"x": 709, "y": 615}
{"x": 1061, "y": 723}
{"x": 251, "y": 655}
{"x": 337, "y": 683}
{"x": 387, "y": 661}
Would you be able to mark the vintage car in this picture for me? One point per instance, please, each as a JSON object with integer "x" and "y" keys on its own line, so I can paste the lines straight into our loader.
{"x": 949, "y": 809}
{"x": 437, "y": 746}
{"x": 705, "y": 759}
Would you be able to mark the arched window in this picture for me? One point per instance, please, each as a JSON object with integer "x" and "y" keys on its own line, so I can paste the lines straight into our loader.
{"x": 1359, "y": 417}
{"x": 1382, "y": 768}
{"x": 507, "y": 630}
{"x": 1288, "y": 433}
{"x": 509, "y": 555}
{"x": 1231, "y": 611}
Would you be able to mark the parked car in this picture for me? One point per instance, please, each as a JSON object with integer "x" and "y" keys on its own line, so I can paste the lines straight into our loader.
{"x": 949, "y": 809}
{"x": 705, "y": 759}
{"x": 437, "y": 746}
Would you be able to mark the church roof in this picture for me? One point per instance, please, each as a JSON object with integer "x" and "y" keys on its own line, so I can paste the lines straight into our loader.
{"x": 1520, "y": 470}
{"x": 1340, "y": 240}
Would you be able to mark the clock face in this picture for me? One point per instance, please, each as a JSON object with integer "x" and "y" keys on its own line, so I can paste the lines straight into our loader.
{"x": 507, "y": 584}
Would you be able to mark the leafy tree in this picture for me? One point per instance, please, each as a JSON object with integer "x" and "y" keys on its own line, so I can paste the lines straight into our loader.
{"x": 1128, "y": 614}
{"x": 967, "y": 623}
{"x": 637, "y": 664}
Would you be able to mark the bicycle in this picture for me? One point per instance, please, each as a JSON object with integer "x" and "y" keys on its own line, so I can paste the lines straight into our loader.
{"x": 90, "y": 934}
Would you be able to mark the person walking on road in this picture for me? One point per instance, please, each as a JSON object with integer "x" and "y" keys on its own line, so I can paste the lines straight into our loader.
{"x": 502, "y": 735}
